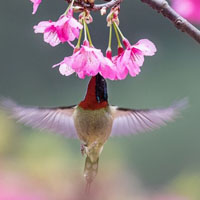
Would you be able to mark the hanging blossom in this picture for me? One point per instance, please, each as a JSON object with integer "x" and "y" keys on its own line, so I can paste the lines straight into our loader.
{"x": 190, "y": 9}
{"x": 87, "y": 61}
{"x": 36, "y": 4}
{"x": 132, "y": 58}
{"x": 66, "y": 29}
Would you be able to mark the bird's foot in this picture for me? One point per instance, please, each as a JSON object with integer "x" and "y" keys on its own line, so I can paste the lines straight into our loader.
{"x": 83, "y": 151}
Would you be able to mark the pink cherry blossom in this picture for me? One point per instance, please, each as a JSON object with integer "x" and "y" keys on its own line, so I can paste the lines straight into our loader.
{"x": 132, "y": 58}
{"x": 36, "y": 4}
{"x": 190, "y": 9}
{"x": 87, "y": 61}
{"x": 66, "y": 29}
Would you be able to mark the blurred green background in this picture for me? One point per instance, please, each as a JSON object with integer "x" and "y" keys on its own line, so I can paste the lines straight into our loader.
{"x": 48, "y": 166}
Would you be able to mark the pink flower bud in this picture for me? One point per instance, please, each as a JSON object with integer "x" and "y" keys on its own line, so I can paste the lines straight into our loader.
{"x": 85, "y": 15}
{"x": 103, "y": 11}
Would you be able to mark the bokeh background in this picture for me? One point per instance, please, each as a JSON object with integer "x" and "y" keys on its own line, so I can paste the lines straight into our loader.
{"x": 161, "y": 165}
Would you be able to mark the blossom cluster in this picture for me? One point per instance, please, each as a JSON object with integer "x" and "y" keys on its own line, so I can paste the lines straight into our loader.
{"x": 87, "y": 60}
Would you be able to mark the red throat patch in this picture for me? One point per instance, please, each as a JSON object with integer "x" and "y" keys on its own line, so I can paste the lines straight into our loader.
{"x": 90, "y": 101}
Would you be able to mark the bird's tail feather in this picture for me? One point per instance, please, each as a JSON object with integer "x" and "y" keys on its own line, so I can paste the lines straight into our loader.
{"x": 90, "y": 171}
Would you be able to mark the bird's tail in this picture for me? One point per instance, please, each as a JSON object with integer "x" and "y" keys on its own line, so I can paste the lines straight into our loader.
{"x": 90, "y": 172}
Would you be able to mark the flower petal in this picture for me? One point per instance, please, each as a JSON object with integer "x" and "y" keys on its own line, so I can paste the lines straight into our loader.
{"x": 66, "y": 69}
{"x": 51, "y": 37}
{"x": 65, "y": 29}
{"x": 146, "y": 46}
{"x": 36, "y": 4}
{"x": 40, "y": 28}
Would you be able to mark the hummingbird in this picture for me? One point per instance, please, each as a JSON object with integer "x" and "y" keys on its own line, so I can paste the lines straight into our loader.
{"x": 93, "y": 121}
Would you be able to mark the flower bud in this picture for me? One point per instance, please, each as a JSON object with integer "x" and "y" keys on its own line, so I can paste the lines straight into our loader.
{"x": 85, "y": 15}
{"x": 113, "y": 16}
{"x": 103, "y": 11}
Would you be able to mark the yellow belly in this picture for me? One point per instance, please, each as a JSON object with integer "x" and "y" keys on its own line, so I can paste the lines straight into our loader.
{"x": 93, "y": 128}
{"x": 93, "y": 125}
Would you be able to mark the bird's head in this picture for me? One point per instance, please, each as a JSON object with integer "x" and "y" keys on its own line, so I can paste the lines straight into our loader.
{"x": 97, "y": 96}
{"x": 101, "y": 89}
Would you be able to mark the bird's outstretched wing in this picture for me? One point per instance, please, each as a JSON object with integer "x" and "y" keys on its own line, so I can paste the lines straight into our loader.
{"x": 58, "y": 120}
{"x": 127, "y": 121}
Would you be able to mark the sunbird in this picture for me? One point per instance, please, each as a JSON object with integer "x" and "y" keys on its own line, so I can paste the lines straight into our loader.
{"x": 93, "y": 121}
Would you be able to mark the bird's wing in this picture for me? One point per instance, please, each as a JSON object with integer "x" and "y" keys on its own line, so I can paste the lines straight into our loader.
{"x": 127, "y": 121}
{"x": 58, "y": 120}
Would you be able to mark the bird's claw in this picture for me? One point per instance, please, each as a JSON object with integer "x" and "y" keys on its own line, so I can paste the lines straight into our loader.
{"x": 83, "y": 149}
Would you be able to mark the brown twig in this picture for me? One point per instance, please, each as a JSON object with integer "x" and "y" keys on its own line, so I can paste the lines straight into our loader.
{"x": 182, "y": 24}
{"x": 162, "y": 6}
{"x": 95, "y": 7}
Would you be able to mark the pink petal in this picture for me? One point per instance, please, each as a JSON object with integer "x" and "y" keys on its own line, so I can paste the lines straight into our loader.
{"x": 92, "y": 64}
{"x": 65, "y": 33}
{"x": 146, "y": 46}
{"x": 51, "y": 37}
{"x": 121, "y": 67}
{"x": 133, "y": 68}
{"x": 68, "y": 28}
{"x": 81, "y": 75}
{"x": 75, "y": 32}
{"x": 79, "y": 61}
{"x": 74, "y": 23}
{"x": 36, "y": 4}
{"x": 123, "y": 74}
{"x": 90, "y": 49}
{"x": 137, "y": 58}
{"x": 61, "y": 21}
{"x": 40, "y": 28}
{"x": 65, "y": 29}
{"x": 66, "y": 69}
{"x": 108, "y": 70}
{"x": 125, "y": 57}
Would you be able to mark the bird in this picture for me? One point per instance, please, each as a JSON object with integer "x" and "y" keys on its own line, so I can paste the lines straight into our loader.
{"x": 93, "y": 121}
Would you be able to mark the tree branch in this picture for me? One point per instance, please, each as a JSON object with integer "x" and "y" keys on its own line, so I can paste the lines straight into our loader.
{"x": 162, "y": 6}
{"x": 96, "y": 7}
